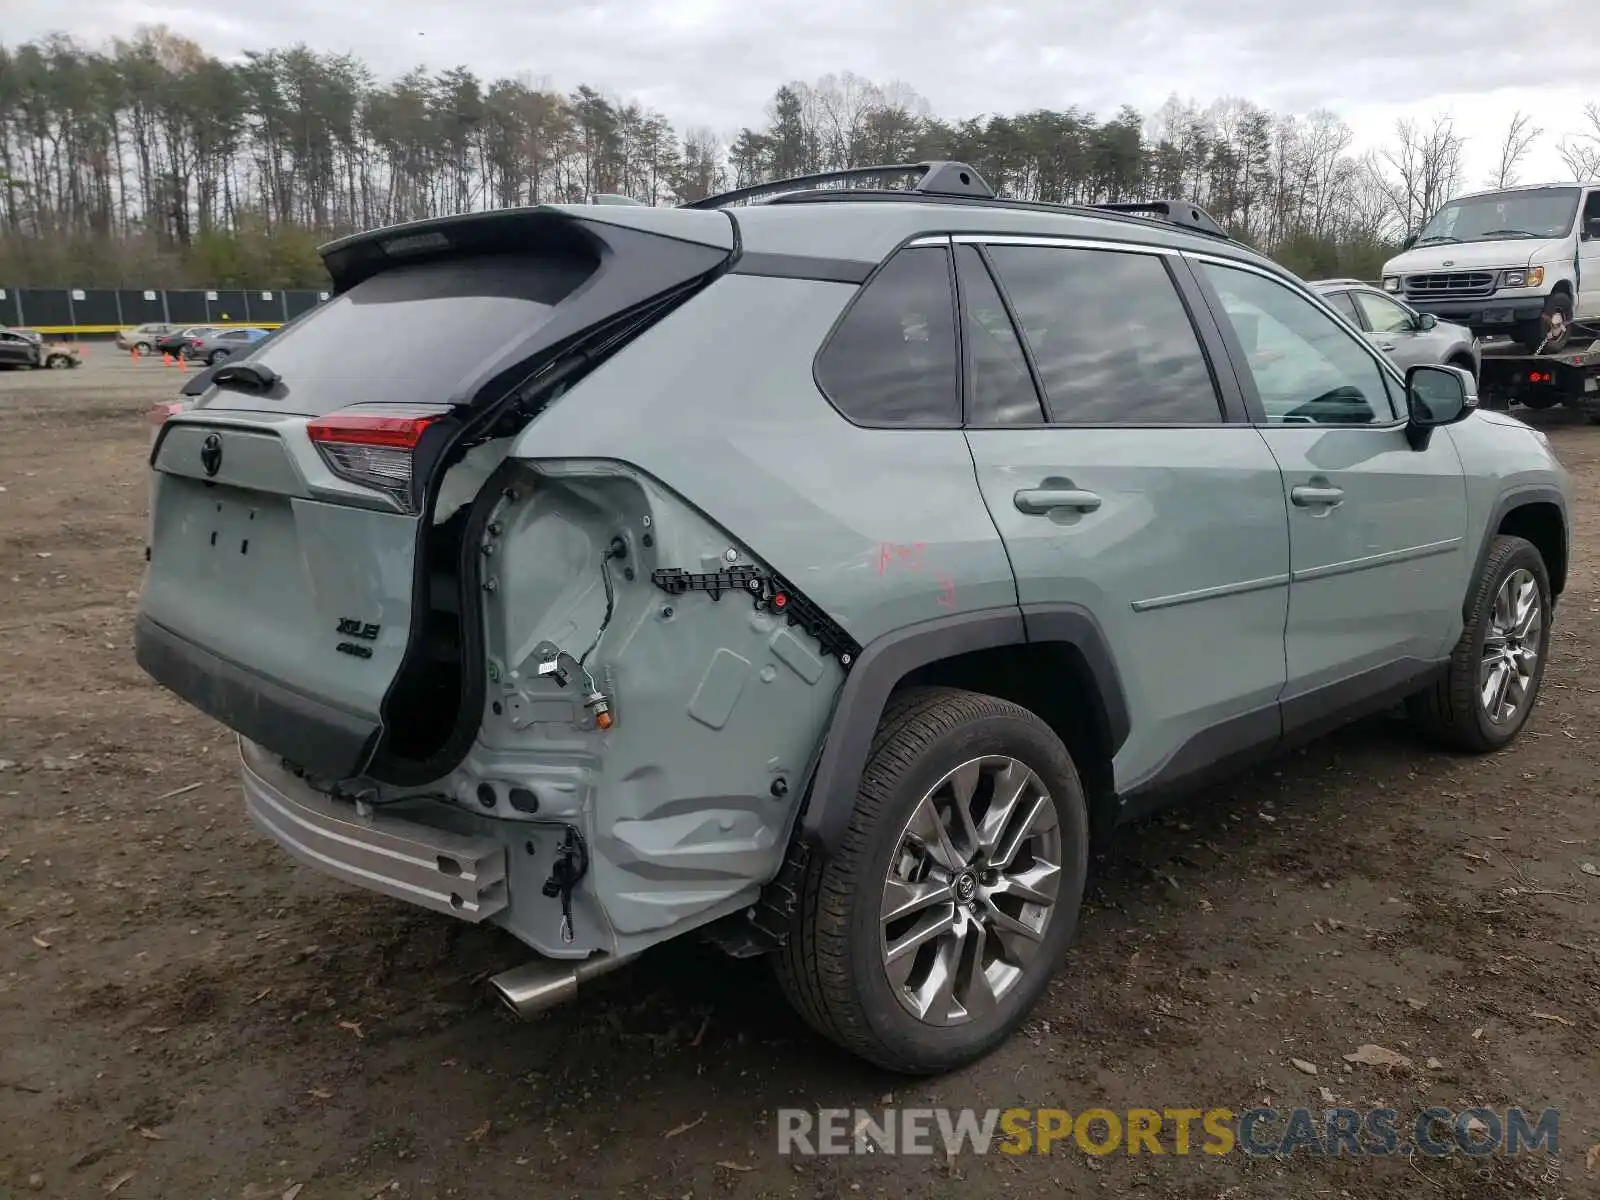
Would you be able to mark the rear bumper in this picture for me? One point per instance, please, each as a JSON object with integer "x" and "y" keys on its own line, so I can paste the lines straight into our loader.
{"x": 327, "y": 741}
{"x": 1488, "y": 315}
{"x": 432, "y": 868}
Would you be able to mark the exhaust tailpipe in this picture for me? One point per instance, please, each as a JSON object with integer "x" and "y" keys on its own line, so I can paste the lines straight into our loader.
{"x": 546, "y": 982}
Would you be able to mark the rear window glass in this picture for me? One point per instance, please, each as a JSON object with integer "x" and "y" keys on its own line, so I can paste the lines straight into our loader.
{"x": 892, "y": 360}
{"x": 412, "y": 334}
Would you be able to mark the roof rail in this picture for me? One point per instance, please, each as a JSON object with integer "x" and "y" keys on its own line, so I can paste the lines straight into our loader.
{"x": 613, "y": 198}
{"x": 1178, "y": 212}
{"x": 933, "y": 179}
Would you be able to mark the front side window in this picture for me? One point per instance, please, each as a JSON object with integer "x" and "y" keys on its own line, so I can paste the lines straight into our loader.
{"x": 1383, "y": 314}
{"x": 1109, "y": 335}
{"x": 1307, "y": 369}
{"x": 892, "y": 359}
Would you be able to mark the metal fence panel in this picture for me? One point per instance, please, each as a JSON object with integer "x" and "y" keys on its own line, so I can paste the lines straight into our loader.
{"x": 105, "y": 310}
{"x": 297, "y": 302}
{"x": 187, "y": 308}
{"x": 140, "y": 306}
{"x": 45, "y": 308}
{"x": 94, "y": 307}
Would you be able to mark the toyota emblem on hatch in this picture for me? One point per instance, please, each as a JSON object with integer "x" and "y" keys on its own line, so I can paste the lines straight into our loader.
{"x": 211, "y": 454}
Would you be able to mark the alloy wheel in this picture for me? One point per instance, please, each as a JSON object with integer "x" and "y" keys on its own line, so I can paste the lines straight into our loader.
{"x": 1511, "y": 648}
{"x": 971, "y": 890}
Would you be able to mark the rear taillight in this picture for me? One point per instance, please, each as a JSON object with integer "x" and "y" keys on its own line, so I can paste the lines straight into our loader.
{"x": 372, "y": 449}
{"x": 196, "y": 342}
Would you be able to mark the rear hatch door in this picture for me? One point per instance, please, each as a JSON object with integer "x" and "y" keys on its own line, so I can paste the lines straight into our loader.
{"x": 290, "y": 513}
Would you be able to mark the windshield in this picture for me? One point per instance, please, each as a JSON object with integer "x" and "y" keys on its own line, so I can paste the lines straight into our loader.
{"x": 1534, "y": 213}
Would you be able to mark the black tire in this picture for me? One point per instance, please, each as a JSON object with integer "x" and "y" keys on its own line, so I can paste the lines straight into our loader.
{"x": 1451, "y": 711}
{"x": 831, "y": 968}
{"x": 1557, "y": 313}
{"x": 142, "y": 347}
{"x": 58, "y": 362}
{"x": 215, "y": 357}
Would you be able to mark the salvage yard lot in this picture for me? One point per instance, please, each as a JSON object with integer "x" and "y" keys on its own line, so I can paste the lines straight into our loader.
{"x": 185, "y": 1013}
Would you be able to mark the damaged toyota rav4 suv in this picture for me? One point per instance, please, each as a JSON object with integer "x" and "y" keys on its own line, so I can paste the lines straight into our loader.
{"x": 816, "y": 568}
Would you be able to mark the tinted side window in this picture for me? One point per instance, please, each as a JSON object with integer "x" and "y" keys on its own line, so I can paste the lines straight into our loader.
{"x": 1110, "y": 336}
{"x": 1346, "y": 307}
{"x": 1000, "y": 387}
{"x": 1307, "y": 369}
{"x": 892, "y": 360}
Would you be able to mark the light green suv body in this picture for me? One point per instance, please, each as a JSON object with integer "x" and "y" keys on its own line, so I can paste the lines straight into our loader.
{"x": 818, "y": 575}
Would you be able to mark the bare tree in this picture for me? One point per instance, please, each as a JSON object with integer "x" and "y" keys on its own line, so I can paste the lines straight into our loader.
{"x": 1519, "y": 139}
{"x": 1423, "y": 169}
{"x": 1581, "y": 152}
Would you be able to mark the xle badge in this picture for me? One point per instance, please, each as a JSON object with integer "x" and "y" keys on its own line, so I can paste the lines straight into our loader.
{"x": 356, "y": 628}
{"x": 211, "y": 454}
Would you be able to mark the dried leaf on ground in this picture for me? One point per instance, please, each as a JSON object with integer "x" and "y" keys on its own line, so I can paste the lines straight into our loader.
{"x": 1377, "y": 1056}
{"x": 685, "y": 1127}
{"x": 1556, "y": 1017}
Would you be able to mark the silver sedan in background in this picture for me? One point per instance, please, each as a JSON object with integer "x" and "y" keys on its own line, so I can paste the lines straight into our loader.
{"x": 1408, "y": 337}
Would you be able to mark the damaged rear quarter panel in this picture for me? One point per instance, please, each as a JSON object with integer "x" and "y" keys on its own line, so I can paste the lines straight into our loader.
{"x": 710, "y": 425}
{"x": 686, "y": 802}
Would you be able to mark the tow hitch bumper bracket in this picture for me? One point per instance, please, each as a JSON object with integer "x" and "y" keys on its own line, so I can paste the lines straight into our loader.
{"x": 433, "y": 868}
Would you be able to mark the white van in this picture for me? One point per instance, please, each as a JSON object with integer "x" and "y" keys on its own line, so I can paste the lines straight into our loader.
{"x": 1523, "y": 261}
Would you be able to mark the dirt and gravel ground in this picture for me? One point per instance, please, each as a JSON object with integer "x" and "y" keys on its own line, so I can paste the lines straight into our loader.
{"x": 184, "y": 1013}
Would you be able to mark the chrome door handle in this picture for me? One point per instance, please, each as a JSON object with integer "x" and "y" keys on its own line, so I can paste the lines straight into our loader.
{"x": 1038, "y": 501}
{"x": 1310, "y": 497}
{"x": 1389, "y": 346}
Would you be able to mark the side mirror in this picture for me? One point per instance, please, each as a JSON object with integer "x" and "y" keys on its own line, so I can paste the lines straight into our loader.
{"x": 1411, "y": 240}
{"x": 1426, "y": 321}
{"x": 1437, "y": 395}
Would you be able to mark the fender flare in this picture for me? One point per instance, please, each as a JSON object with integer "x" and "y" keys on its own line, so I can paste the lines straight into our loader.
{"x": 1534, "y": 493}
{"x": 847, "y": 743}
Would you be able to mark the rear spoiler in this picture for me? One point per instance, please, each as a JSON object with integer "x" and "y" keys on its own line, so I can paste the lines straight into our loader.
{"x": 557, "y": 230}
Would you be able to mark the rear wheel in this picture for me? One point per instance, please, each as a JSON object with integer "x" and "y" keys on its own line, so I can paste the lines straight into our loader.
{"x": 925, "y": 940}
{"x": 215, "y": 357}
{"x": 1486, "y": 695}
{"x": 58, "y": 362}
{"x": 142, "y": 347}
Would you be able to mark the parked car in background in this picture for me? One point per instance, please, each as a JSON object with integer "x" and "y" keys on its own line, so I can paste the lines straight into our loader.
{"x": 180, "y": 336}
{"x": 1410, "y": 338}
{"x": 143, "y": 337}
{"x": 211, "y": 348}
{"x": 24, "y": 348}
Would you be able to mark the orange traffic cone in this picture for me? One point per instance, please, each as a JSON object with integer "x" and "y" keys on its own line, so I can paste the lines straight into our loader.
{"x": 136, "y": 354}
{"x": 166, "y": 360}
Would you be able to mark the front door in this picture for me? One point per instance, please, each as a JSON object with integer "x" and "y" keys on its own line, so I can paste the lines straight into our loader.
{"x": 1129, "y": 495}
{"x": 1588, "y": 303}
{"x": 14, "y": 349}
{"x": 1377, "y": 530}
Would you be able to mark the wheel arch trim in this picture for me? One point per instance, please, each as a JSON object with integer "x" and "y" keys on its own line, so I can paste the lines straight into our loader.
{"x": 1518, "y": 497}
{"x": 883, "y": 664}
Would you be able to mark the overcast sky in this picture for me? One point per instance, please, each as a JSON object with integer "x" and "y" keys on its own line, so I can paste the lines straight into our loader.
{"x": 716, "y": 62}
